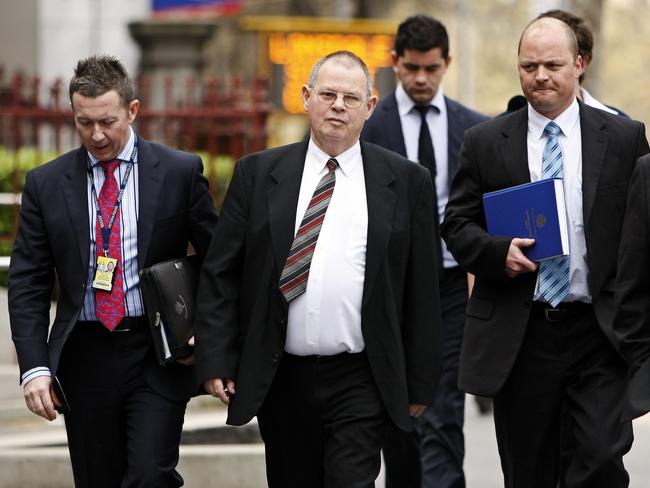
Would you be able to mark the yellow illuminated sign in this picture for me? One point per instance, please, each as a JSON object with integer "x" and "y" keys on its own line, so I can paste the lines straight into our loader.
{"x": 298, "y": 51}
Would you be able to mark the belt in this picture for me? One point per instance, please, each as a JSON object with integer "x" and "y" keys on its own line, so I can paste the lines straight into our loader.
{"x": 563, "y": 311}
{"x": 127, "y": 324}
{"x": 342, "y": 356}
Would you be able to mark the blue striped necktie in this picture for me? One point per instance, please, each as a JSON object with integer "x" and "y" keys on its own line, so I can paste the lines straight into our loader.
{"x": 553, "y": 273}
{"x": 293, "y": 280}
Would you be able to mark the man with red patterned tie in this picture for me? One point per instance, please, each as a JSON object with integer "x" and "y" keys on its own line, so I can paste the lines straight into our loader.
{"x": 318, "y": 299}
{"x": 91, "y": 219}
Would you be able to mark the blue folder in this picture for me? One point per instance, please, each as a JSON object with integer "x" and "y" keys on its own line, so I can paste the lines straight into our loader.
{"x": 533, "y": 210}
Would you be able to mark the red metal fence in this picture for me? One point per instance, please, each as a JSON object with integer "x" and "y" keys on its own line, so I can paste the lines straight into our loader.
{"x": 219, "y": 119}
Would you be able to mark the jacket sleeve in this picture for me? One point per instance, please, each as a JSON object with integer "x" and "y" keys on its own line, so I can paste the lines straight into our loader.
{"x": 216, "y": 323}
{"x": 464, "y": 228}
{"x": 422, "y": 329}
{"x": 31, "y": 278}
{"x": 631, "y": 323}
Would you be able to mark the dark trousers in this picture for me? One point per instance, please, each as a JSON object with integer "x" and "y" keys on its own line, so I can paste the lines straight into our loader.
{"x": 121, "y": 433}
{"x": 432, "y": 455}
{"x": 323, "y": 423}
{"x": 558, "y": 417}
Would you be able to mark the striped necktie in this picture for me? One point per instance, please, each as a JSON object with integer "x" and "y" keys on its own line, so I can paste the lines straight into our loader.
{"x": 293, "y": 280}
{"x": 553, "y": 273}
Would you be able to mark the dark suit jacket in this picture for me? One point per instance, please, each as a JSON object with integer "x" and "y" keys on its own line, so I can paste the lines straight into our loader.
{"x": 242, "y": 316}
{"x": 632, "y": 320}
{"x": 384, "y": 128}
{"x": 494, "y": 156}
{"x": 175, "y": 208}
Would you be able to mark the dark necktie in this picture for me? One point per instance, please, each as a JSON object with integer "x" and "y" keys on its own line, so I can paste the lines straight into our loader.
{"x": 109, "y": 306}
{"x": 293, "y": 280}
{"x": 427, "y": 158}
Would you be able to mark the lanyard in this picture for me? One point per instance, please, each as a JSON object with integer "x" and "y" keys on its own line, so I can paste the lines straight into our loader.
{"x": 106, "y": 230}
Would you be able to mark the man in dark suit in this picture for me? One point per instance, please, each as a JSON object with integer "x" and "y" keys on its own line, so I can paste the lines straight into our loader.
{"x": 432, "y": 455}
{"x": 538, "y": 337}
{"x": 632, "y": 320}
{"x": 122, "y": 201}
{"x": 318, "y": 304}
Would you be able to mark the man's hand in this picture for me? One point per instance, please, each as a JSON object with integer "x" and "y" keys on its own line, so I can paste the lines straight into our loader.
{"x": 415, "y": 409}
{"x": 516, "y": 262}
{"x": 216, "y": 388}
{"x": 188, "y": 360}
{"x": 40, "y": 397}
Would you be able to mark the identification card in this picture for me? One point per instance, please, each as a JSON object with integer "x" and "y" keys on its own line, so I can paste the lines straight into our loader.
{"x": 105, "y": 271}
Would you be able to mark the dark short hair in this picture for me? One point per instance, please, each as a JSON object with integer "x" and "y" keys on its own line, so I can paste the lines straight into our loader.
{"x": 341, "y": 55}
{"x": 579, "y": 26}
{"x": 97, "y": 75}
{"x": 422, "y": 33}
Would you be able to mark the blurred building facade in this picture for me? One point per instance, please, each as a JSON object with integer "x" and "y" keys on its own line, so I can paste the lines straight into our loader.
{"x": 46, "y": 37}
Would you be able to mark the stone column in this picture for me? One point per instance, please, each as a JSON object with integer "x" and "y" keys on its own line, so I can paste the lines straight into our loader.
{"x": 171, "y": 49}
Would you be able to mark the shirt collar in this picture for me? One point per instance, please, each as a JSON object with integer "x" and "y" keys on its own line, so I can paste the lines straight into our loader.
{"x": 348, "y": 160}
{"x": 123, "y": 155}
{"x": 405, "y": 104}
{"x": 567, "y": 120}
{"x": 592, "y": 102}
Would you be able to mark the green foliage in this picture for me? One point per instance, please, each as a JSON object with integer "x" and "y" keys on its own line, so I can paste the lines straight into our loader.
{"x": 15, "y": 164}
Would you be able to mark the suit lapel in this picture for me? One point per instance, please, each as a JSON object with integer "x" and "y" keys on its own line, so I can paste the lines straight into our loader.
{"x": 76, "y": 199}
{"x": 150, "y": 178}
{"x": 513, "y": 147}
{"x": 594, "y": 147}
{"x": 381, "y": 207}
{"x": 393, "y": 127}
{"x": 283, "y": 191}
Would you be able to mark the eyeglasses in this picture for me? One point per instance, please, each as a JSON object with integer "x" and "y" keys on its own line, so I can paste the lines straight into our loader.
{"x": 329, "y": 97}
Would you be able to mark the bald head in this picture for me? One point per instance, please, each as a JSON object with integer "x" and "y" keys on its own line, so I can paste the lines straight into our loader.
{"x": 552, "y": 26}
{"x": 549, "y": 66}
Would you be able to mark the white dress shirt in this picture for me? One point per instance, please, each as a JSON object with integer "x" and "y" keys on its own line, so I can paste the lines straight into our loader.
{"x": 570, "y": 140}
{"x": 438, "y": 128}
{"x": 326, "y": 319}
{"x": 592, "y": 102}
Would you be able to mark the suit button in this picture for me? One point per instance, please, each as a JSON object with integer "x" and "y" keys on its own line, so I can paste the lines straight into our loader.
{"x": 276, "y": 358}
{"x": 283, "y": 321}
{"x": 527, "y": 303}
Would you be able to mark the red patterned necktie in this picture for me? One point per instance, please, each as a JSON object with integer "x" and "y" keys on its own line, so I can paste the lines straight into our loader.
{"x": 109, "y": 306}
{"x": 293, "y": 280}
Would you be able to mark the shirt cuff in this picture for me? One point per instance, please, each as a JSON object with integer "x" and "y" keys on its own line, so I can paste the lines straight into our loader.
{"x": 34, "y": 373}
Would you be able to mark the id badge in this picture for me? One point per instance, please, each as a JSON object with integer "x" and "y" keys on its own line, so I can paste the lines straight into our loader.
{"x": 105, "y": 271}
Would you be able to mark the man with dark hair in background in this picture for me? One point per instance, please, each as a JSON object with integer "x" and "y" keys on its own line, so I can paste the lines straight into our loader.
{"x": 419, "y": 122}
{"x": 122, "y": 202}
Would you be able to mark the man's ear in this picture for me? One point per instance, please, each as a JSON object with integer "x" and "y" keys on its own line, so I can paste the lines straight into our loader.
{"x": 306, "y": 92}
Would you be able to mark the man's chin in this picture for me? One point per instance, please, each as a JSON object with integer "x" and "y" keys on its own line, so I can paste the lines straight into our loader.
{"x": 421, "y": 98}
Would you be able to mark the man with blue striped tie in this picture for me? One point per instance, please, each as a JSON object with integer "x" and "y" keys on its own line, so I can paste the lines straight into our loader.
{"x": 538, "y": 336}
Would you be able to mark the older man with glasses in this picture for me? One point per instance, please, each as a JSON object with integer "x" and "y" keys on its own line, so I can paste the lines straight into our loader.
{"x": 318, "y": 304}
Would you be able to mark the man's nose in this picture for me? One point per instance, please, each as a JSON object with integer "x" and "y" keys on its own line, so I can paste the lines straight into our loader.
{"x": 97, "y": 134}
{"x": 421, "y": 76}
{"x": 339, "y": 103}
{"x": 541, "y": 74}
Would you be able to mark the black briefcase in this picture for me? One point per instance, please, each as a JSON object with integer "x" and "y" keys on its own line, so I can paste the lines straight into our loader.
{"x": 169, "y": 291}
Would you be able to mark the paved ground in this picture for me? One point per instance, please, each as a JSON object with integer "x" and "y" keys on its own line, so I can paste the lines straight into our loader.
{"x": 482, "y": 462}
